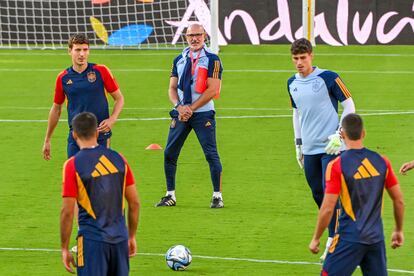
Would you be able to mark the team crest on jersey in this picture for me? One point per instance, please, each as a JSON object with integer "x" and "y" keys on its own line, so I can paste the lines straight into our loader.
{"x": 315, "y": 86}
{"x": 91, "y": 76}
{"x": 173, "y": 123}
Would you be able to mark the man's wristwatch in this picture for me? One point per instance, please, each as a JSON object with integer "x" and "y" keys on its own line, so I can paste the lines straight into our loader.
{"x": 176, "y": 105}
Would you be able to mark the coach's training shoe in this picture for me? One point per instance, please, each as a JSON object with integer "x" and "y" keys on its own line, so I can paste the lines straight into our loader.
{"x": 217, "y": 202}
{"x": 166, "y": 201}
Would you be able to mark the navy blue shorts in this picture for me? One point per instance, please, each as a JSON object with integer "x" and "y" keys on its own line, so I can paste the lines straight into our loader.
{"x": 344, "y": 257}
{"x": 102, "y": 259}
{"x": 73, "y": 148}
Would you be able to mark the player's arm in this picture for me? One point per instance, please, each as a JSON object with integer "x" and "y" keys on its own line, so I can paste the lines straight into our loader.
{"x": 112, "y": 87}
{"x": 107, "y": 124}
{"x": 348, "y": 106}
{"x": 397, "y": 238}
{"x": 342, "y": 94}
{"x": 172, "y": 91}
{"x": 298, "y": 138}
{"x": 394, "y": 191}
{"x": 214, "y": 72}
{"x": 131, "y": 195}
{"x": 132, "y": 198}
{"x": 66, "y": 221}
{"x": 69, "y": 194}
{"x": 184, "y": 111}
{"x": 213, "y": 85}
{"x": 406, "y": 167}
{"x": 54, "y": 115}
{"x": 324, "y": 217}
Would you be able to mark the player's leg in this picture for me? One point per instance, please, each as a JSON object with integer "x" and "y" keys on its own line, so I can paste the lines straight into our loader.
{"x": 73, "y": 147}
{"x": 204, "y": 125}
{"x": 313, "y": 174}
{"x": 343, "y": 258}
{"x": 119, "y": 259}
{"x": 176, "y": 137}
{"x": 106, "y": 142}
{"x": 92, "y": 257}
{"x": 375, "y": 260}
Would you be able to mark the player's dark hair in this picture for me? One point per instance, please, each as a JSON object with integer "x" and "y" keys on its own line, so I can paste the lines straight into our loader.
{"x": 301, "y": 46}
{"x": 84, "y": 125}
{"x": 353, "y": 126}
{"x": 77, "y": 39}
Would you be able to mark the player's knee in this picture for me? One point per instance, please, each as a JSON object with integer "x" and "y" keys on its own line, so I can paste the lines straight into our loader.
{"x": 214, "y": 161}
{"x": 170, "y": 155}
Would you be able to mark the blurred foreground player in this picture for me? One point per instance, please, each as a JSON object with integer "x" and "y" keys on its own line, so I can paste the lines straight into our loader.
{"x": 358, "y": 178}
{"x": 98, "y": 179}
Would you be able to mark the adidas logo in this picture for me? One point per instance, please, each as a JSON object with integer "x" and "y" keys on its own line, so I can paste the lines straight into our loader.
{"x": 207, "y": 124}
{"x": 69, "y": 82}
{"x": 366, "y": 170}
{"x": 104, "y": 167}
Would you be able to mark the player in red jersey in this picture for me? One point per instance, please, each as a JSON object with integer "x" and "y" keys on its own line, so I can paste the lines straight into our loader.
{"x": 84, "y": 86}
{"x": 358, "y": 178}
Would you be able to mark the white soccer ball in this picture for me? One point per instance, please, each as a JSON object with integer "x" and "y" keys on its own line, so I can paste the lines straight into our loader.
{"x": 178, "y": 257}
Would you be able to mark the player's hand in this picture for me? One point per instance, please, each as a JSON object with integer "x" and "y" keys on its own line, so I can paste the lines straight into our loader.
{"x": 406, "y": 167}
{"x": 397, "y": 239}
{"x": 106, "y": 125}
{"x": 334, "y": 144}
{"x": 184, "y": 113}
{"x": 46, "y": 150}
{"x": 132, "y": 247}
{"x": 314, "y": 246}
{"x": 68, "y": 261}
{"x": 299, "y": 155}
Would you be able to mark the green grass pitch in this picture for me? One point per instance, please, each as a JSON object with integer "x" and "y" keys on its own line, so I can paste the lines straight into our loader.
{"x": 269, "y": 213}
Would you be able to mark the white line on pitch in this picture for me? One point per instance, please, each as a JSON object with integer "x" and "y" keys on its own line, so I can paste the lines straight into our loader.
{"x": 172, "y": 53}
{"x": 217, "y": 108}
{"x": 218, "y": 117}
{"x": 227, "y": 71}
{"x": 206, "y": 257}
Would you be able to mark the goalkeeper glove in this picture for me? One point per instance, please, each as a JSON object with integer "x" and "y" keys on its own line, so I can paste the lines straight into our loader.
{"x": 299, "y": 155}
{"x": 334, "y": 144}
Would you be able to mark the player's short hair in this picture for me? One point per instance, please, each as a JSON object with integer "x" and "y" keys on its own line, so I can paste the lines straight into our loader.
{"x": 301, "y": 46}
{"x": 353, "y": 126}
{"x": 84, "y": 125}
{"x": 77, "y": 39}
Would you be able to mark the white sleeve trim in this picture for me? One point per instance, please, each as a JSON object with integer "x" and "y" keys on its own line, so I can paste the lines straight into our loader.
{"x": 348, "y": 107}
{"x": 296, "y": 124}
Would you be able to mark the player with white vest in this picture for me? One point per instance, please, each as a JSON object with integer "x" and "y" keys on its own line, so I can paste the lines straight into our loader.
{"x": 315, "y": 94}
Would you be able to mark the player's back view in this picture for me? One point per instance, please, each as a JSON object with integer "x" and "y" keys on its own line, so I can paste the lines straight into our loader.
{"x": 358, "y": 177}
{"x": 98, "y": 179}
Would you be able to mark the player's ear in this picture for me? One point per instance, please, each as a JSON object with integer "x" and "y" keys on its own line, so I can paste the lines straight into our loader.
{"x": 74, "y": 135}
{"x": 96, "y": 134}
{"x": 363, "y": 134}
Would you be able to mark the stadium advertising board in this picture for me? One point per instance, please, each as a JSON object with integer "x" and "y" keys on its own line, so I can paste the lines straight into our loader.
{"x": 338, "y": 22}
{"x": 149, "y": 22}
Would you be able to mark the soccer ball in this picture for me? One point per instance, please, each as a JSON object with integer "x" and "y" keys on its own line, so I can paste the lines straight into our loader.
{"x": 178, "y": 257}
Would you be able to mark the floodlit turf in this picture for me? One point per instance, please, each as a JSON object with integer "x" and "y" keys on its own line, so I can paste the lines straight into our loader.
{"x": 268, "y": 214}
